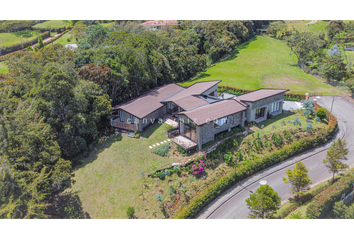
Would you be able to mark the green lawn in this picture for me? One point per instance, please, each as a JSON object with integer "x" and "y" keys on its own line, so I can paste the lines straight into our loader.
{"x": 350, "y": 58}
{"x": 64, "y": 39}
{"x": 300, "y": 25}
{"x": 277, "y": 122}
{"x": 263, "y": 62}
{"x": 109, "y": 181}
{"x": 51, "y": 24}
{"x": 3, "y": 68}
{"x": 7, "y": 39}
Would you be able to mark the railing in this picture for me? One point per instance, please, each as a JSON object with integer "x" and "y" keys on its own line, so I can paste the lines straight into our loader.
{"x": 122, "y": 125}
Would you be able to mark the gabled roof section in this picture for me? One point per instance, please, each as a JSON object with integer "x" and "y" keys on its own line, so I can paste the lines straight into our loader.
{"x": 194, "y": 89}
{"x": 190, "y": 102}
{"x": 208, "y": 113}
{"x": 151, "y": 101}
{"x": 260, "y": 94}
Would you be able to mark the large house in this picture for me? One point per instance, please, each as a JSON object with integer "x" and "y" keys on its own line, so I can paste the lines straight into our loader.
{"x": 201, "y": 113}
{"x": 158, "y": 24}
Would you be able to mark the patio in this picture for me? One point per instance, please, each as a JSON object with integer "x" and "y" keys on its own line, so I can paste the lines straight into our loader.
{"x": 184, "y": 142}
{"x": 170, "y": 120}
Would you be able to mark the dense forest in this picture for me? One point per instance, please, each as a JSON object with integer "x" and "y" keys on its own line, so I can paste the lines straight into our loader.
{"x": 55, "y": 103}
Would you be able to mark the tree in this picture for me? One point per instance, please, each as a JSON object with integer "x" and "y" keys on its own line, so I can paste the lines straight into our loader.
{"x": 263, "y": 203}
{"x": 335, "y": 155}
{"x": 304, "y": 45}
{"x": 333, "y": 67}
{"x": 334, "y": 27}
{"x": 276, "y": 27}
{"x": 40, "y": 42}
{"x": 298, "y": 178}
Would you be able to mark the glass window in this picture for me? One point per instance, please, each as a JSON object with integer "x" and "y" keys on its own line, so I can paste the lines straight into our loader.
{"x": 121, "y": 115}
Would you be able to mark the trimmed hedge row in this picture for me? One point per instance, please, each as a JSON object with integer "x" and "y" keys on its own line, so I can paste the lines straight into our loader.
{"x": 252, "y": 167}
{"x": 18, "y": 25}
{"x": 323, "y": 203}
{"x": 18, "y": 46}
{"x": 53, "y": 29}
{"x": 239, "y": 91}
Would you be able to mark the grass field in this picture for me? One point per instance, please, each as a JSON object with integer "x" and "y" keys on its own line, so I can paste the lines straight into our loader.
{"x": 109, "y": 179}
{"x": 300, "y": 25}
{"x": 7, "y": 39}
{"x": 3, "y": 68}
{"x": 64, "y": 39}
{"x": 350, "y": 58}
{"x": 51, "y": 24}
{"x": 263, "y": 62}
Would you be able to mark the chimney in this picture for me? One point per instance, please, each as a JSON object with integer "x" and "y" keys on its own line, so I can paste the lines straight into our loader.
{"x": 306, "y": 96}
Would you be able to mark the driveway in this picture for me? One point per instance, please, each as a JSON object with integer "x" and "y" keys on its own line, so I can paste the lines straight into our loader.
{"x": 232, "y": 203}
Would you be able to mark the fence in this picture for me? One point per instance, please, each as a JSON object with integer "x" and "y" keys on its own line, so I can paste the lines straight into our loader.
{"x": 349, "y": 198}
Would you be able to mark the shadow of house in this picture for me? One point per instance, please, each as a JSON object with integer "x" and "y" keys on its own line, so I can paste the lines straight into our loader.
{"x": 67, "y": 206}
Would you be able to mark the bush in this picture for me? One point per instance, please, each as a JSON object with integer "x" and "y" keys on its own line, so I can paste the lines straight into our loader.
{"x": 321, "y": 113}
{"x": 163, "y": 150}
{"x": 171, "y": 190}
{"x": 160, "y": 175}
{"x": 167, "y": 172}
{"x": 130, "y": 212}
{"x": 181, "y": 150}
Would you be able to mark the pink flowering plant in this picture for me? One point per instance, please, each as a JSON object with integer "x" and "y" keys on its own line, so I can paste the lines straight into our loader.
{"x": 197, "y": 167}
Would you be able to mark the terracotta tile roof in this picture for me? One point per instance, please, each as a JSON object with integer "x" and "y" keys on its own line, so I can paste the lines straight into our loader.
{"x": 183, "y": 98}
{"x": 214, "y": 111}
{"x": 159, "y": 22}
{"x": 149, "y": 102}
{"x": 260, "y": 94}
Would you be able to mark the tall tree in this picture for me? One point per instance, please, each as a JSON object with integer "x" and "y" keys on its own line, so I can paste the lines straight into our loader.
{"x": 334, "y": 68}
{"x": 298, "y": 178}
{"x": 336, "y": 154}
{"x": 304, "y": 45}
{"x": 40, "y": 42}
{"x": 263, "y": 203}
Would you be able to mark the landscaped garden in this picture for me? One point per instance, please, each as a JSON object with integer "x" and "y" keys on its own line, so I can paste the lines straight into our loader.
{"x": 264, "y": 62}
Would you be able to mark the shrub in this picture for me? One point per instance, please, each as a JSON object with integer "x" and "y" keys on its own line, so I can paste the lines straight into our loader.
{"x": 171, "y": 190}
{"x": 163, "y": 150}
{"x": 321, "y": 113}
{"x": 160, "y": 175}
{"x": 229, "y": 158}
{"x": 318, "y": 119}
{"x": 181, "y": 150}
{"x": 130, "y": 212}
{"x": 167, "y": 172}
{"x": 176, "y": 168}
{"x": 159, "y": 197}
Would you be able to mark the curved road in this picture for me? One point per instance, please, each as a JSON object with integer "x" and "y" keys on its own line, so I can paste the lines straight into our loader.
{"x": 232, "y": 203}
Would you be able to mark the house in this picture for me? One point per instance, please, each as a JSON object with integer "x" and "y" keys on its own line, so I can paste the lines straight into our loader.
{"x": 158, "y": 24}
{"x": 71, "y": 46}
{"x": 201, "y": 113}
{"x": 262, "y": 31}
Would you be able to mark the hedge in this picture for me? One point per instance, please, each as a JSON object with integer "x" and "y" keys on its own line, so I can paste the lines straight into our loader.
{"x": 53, "y": 29}
{"x": 239, "y": 91}
{"x": 252, "y": 167}
{"x": 18, "y": 46}
{"x": 323, "y": 203}
{"x": 18, "y": 25}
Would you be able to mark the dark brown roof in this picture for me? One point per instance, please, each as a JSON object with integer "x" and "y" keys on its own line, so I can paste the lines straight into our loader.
{"x": 214, "y": 111}
{"x": 184, "y": 98}
{"x": 149, "y": 102}
{"x": 260, "y": 94}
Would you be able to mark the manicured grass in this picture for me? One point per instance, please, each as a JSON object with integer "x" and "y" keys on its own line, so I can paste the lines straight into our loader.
{"x": 263, "y": 62}
{"x": 3, "y": 68}
{"x": 109, "y": 181}
{"x": 51, "y": 24}
{"x": 7, "y": 39}
{"x": 64, "y": 39}
{"x": 277, "y": 121}
{"x": 300, "y": 25}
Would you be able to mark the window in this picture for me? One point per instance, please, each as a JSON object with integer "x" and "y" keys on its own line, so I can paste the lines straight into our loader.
{"x": 132, "y": 119}
{"x": 121, "y": 115}
{"x": 219, "y": 122}
{"x": 275, "y": 107}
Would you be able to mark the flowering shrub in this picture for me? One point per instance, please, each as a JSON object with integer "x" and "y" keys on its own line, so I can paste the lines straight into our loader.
{"x": 197, "y": 167}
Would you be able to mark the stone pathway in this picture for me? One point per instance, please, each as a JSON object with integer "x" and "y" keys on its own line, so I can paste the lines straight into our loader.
{"x": 158, "y": 144}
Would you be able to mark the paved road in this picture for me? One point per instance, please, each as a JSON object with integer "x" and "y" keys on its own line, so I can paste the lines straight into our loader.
{"x": 232, "y": 203}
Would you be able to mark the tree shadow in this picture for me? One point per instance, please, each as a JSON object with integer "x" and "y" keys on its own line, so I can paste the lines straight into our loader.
{"x": 150, "y": 130}
{"x": 92, "y": 156}
{"x": 237, "y": 50}
{"x": 67, "y": 206}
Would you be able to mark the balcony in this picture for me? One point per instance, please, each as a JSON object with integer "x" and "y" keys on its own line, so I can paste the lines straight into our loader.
{"x": 122, "y": 125}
